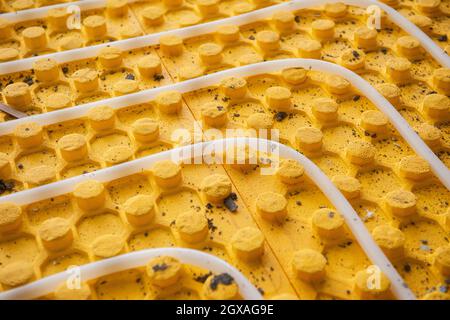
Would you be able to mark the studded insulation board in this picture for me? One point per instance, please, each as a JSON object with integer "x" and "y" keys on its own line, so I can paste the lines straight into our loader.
{"x": 391, "y": 188}
{"x": 136, "y": 212}
{"x": 432, "y": 16}
{"x": 18, "y": 5}
{"x": 147, "y": 205}
{"x": 106, "y": 21}
{"x": 391, "y": 60}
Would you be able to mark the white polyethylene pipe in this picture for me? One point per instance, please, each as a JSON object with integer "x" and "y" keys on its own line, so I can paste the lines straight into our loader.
{"x": 131, "y": 260}
{"x": 208, "y": 27}
{"x": 402, "y": 126}
{"x": 354, "y": 222}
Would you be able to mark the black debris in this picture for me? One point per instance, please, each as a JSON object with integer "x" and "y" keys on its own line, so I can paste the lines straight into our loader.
{"x": 280, "y": 116}
{"x": 223, "y": 278}
{"x": 160, "y": 267}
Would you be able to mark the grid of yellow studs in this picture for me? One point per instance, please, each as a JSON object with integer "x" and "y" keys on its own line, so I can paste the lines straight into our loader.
{"x": 354, "y": 144}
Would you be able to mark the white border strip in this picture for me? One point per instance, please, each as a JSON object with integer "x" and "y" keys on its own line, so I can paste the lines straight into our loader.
{"x": 207, "y": 28}
{"x": 402, "y": 126}
{"x": 354, "y": 222}
{"x": 132, "y": 260}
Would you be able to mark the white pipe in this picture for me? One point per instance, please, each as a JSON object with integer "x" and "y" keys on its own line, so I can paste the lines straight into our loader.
{"x": 402, "y": 126}
{"x": 207, "y": 28}
{"x": 131, "y": 260}
{"x": 354, "y": 222}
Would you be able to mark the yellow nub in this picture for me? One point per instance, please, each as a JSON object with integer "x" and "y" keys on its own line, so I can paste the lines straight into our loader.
{"x": 56, "y": 234}
{"x": 8, "y": 54}
{"x": 360, "y": 152}
{"x": 192, "y": 226}
{"x": 353, "y": 59}
{"x": 46, "y": 70}
{"x": 16, "y": 273}
{"x": 309, "y": 139}
{"x": 10, "y": 217}
{"x": 401, "y": 203}
{"x": 284, "y": 20}
{"x": 310, "y": 49}
{"x": 214, "y": 115}
{"x": 101, "y": 118}
{"x": 366, "y": 38}
{"x": 290, "y": 172}
{"x": 90, "y": 195}
{"x": 325, "y": 110}
{"x": 5, "y": 166}
{"x": 409, "y": 47}
{"x": 328, "y": 223}
{"x": 414, "y": 168}
{"x": 35, "y": 38}
{"x": 268, "y": 40}
{"x": 372, "y": 284}
{"x": 216, "y": 187}
{"x": 337, "y": 84}
{"x": 125, "y": 86}
{"x": 149, "y": 66}
{"x": 278, "y": 98}
{"x": 22, "y": 4}
{"x": 167, "y": 174}
{"x": 260, "y": 121}
{"x": 5, "y": 29}
{"x": 164, "y": 271}
{"x": 117, "y": 154}
{"x": 294, "y": 76}
{"x": 117, "y": 8}
{"x": 208, "y": 7}
{"x": 95, "y": 27}
{"x": 391, "y": 240}
{"x": 29, "y": 135}
{"x": 441, "y": 80}
{"x": 399, "y": 70}
{"x": 18, "y": 95}
{"x": 40, "y": 175}
{"x": 110, "y": 57}
{"x": 107, "y": 246}
{"x": 65, "y": 293}
{"x": 145, "y": 130}
{"x": 336, "y": 10}
{"x": 153, "y": 16}
{"x": 430, "y": 134}
{"x": 350, "y": 187}
{"x": 228, "y": 33}
{"x": 248, "y": 243}
{"x": 85, "y": 80}
{"x": 442, "y": 261}
{"x": 436, "y": 106}
{"x": 234, "y": 88}
{"x": 169, "y": 102}
{"x": 73, "y": 147}
{"x": 391, "y": 92}
{"x": 309, "y": 265}
{"x": 171, "y": 45}
{"x": 323, "y": 29}
{"x": 271, "y": 206}
{"x": 210, "y": 53}
{"x": 56, "y": 101}
{"x": 428, "y": 7}
{"x": 374, "y": 121}
{"x": 57, "y": 18}
{"x": 220, "y": 287}
{"x": 139, "y": 210}
{"x": 436, "y": 295}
